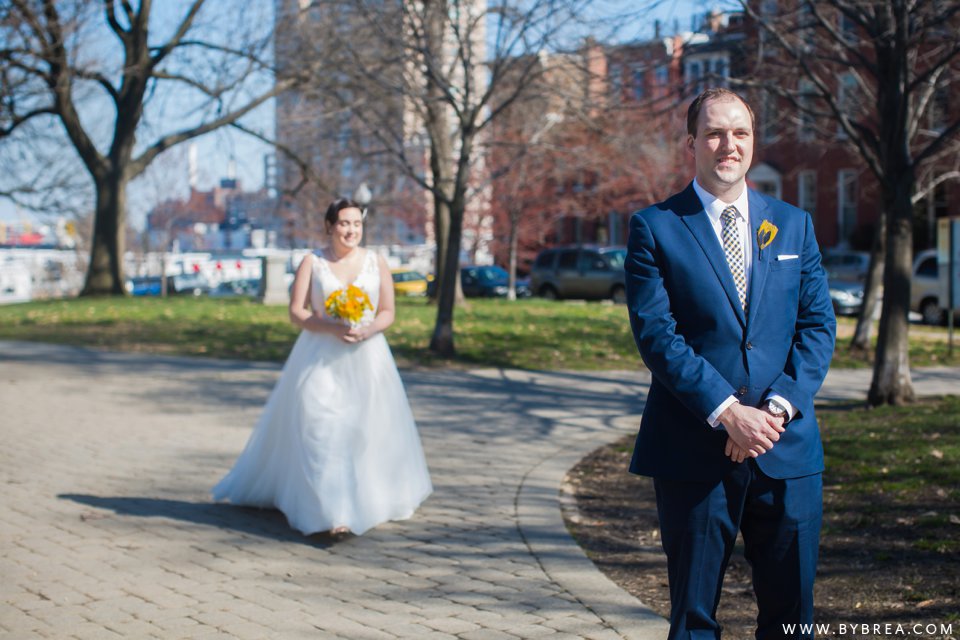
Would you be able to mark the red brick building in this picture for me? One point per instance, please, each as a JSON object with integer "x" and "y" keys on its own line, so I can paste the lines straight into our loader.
{"x": 801, "y": 159}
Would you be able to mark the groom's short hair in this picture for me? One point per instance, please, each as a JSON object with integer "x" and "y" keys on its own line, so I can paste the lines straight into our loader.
{"x": 716, "y": 93}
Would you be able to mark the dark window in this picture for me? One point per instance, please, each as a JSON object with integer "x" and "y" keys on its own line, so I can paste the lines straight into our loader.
{"x": 568, "y": 260}
{"x": 928, "y": 267}
{"x": 591, "y": 261}
{"x": 545, "y": 259}
{"x": 492, "y": 274}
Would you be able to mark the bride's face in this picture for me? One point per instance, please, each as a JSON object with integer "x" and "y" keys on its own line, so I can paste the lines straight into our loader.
{"x": 348, "y": 231}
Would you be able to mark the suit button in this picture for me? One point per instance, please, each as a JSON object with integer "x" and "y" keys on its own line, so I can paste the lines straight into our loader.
{"x": 749, "y": 346}
{"x": 742, "y": 391}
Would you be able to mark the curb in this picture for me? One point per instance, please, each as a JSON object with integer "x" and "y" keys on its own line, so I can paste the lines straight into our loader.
{"x": 540, "y": 521}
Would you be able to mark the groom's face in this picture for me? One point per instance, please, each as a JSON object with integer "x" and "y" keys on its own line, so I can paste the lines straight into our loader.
{"x": 723, "y": 146}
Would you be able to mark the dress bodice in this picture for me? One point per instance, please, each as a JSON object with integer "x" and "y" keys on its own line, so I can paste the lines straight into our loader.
{"x": 324, "y": 282}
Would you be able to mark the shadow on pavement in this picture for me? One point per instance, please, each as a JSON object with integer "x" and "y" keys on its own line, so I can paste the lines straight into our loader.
{"x": 265, "y": 523}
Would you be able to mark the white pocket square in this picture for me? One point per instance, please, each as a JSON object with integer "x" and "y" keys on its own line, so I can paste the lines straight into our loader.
{"x": 787, "y": 256}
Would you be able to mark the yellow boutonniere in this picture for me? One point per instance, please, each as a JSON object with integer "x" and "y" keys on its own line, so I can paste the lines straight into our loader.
{"x": 765, "y": 234}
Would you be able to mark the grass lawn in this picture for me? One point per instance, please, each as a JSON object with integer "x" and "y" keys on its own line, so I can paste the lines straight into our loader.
{"x": 525, "y": 334}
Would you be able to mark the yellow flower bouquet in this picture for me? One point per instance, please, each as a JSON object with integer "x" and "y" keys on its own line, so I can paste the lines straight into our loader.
{"x": 349, "y": 304}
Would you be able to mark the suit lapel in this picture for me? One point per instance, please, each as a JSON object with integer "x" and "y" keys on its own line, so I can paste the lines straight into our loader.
{"x": 698, "y": 222}
{"x": 759, "y": 211}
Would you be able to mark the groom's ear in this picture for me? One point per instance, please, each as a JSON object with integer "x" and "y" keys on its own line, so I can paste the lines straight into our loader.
{"x": 691, "y": 140}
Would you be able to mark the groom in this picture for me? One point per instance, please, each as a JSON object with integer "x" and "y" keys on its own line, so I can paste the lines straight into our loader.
{"x": 730, "y": 311}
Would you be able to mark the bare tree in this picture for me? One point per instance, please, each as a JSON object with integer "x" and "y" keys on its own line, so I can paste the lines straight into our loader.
{"x": 125, "y": 85}
{"x": 881, "y": 73}
{"x": 426, "y": 80}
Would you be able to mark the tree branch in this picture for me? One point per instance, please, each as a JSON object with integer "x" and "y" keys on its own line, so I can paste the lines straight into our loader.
{"x": 184, "y": 26}
{"x": 17, "y": 121}
{"x": 139, "y": 164}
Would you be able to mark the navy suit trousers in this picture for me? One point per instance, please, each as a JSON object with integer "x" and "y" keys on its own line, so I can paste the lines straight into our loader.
{"x": 780, "y": 521}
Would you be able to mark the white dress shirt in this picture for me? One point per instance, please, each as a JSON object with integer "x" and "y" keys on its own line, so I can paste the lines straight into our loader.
{"x": 714, "y": 206}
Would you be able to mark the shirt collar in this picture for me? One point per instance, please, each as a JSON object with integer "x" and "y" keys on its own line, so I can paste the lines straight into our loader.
{"x": 714, "y": 206}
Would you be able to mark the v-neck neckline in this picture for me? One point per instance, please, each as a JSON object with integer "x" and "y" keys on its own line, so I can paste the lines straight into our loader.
{"x": 363, "y": 264}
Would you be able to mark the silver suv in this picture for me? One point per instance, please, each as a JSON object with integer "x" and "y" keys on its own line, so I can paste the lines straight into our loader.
{"x": 587, "y": 272}
{"x": 925, "y": 289}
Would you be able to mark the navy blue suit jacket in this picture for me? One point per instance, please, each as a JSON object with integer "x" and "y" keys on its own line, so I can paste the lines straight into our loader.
{"x": 701, "y": 348}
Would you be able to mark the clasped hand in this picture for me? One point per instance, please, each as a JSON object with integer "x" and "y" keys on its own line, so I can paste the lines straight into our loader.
{"x": 355, "y": 334}
{"x": 751, "y": 432}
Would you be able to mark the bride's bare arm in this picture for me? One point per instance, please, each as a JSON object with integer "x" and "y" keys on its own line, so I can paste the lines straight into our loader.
{"x": 301, "y": 314}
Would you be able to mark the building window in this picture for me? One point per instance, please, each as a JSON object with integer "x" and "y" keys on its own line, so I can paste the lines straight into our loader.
{"x": 847, "y": 191}
{"x": 721, "y": 72}
{"x": 807, "y": 192}
{"x": 614, "y": 223}
{"x": 639, "y": 76}
{"x": 766, "y": 180}
{"x": 846, "y": 99}
{"x": 939, "y": 110}
{"x": 807, "y": 26}
{"x": 663, "y": 75}
{"x": 767, "y": 45}
{"x": 616, "y": 81}
{"x": 848, "y": 28}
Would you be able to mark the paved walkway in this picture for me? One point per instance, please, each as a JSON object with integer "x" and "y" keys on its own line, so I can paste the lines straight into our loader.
{"x": 107, "y": 530}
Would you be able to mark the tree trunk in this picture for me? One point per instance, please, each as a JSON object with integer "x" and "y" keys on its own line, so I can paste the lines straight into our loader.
{"x": 512, "y": 270}
{"x": 891, "y": 372}
{"x": 871, "y": 289}
{"x": 105, "y": 273}
{"x": 441, "y": 232}
{"x": 442, "y": 342}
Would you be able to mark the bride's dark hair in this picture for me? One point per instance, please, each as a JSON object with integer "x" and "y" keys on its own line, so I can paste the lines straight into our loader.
{"x": 333, "y": 211}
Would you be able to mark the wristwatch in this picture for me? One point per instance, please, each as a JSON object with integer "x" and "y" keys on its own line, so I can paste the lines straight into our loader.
{"x": 778, "y": 410}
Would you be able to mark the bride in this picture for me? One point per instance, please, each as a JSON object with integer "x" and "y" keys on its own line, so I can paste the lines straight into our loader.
{"x": 336, "y": 448}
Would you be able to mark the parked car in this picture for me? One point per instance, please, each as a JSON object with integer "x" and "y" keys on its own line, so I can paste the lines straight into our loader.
{"x": 144, "y": 286}
{"x": 184, "y": 284}
{"x": 587, "y": 272}
{"x": 925, "y": 289}
{"x": 489, "y": 281}
{"x": 407, "y": 282}
{"x": 486, "y": 281}
{"x": 846, "y": 265}
{"x": 847, "y": 296}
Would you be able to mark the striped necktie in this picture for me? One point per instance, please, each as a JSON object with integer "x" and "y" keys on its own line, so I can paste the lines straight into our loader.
{"x": 733, "y": 248}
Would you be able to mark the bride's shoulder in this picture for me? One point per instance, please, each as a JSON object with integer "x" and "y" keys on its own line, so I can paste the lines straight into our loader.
{"x": 311, "y": 260}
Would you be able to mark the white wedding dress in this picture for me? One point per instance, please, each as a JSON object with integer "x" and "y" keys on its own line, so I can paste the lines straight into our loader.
{"x": 336, "y": 445}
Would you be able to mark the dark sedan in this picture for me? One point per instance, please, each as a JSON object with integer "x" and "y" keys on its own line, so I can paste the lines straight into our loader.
{"x": 489, "y": 281}
{"x": 486, "y": 281}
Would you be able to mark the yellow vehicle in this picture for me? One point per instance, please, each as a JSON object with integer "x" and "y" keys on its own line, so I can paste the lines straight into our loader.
{"x": 407, "y": 282}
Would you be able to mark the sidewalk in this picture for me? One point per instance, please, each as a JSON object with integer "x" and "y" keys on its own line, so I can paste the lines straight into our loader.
{"x": 108, "y": 530}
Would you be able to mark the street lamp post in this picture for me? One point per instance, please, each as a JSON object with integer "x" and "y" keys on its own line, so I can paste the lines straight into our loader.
{"x": 363, "y": 196}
